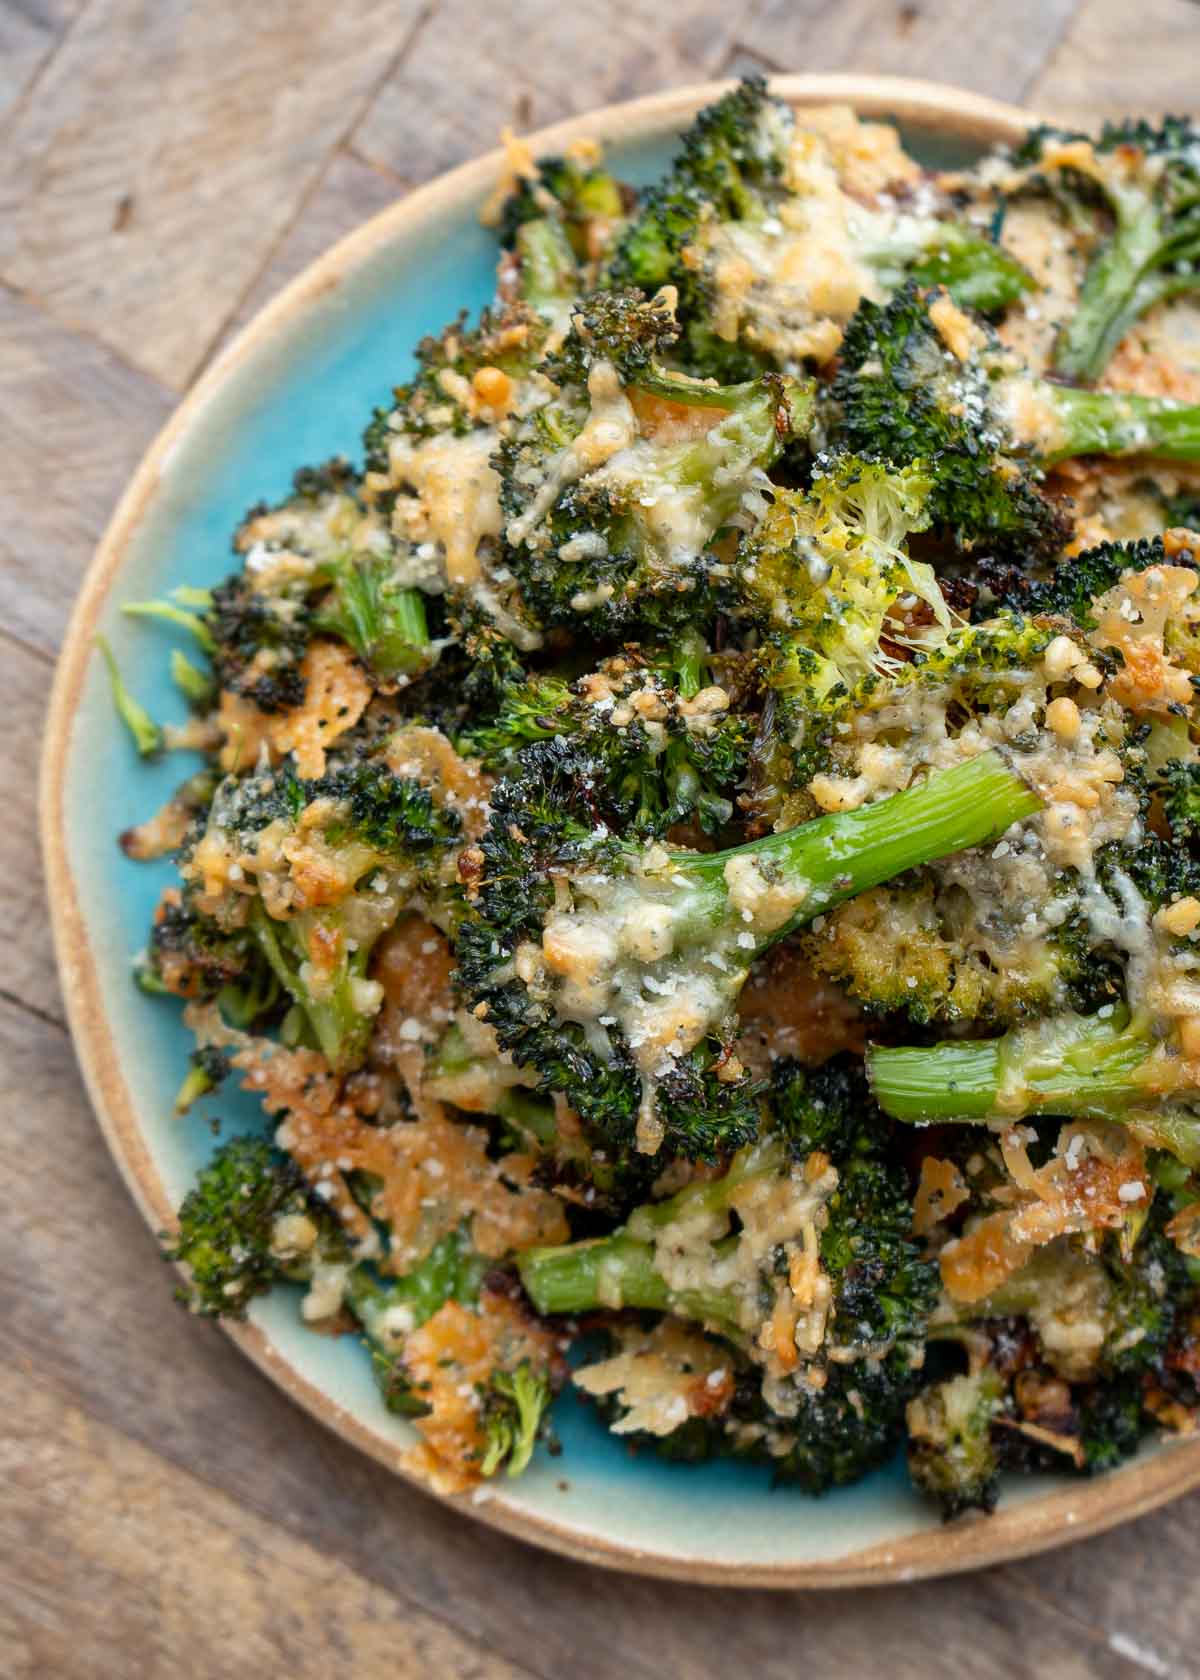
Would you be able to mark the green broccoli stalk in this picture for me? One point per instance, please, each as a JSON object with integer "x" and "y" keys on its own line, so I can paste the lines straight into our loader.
{"x": 1108, "y": 1066}
{"x": 1147, "y": 180}
{"x": 146, "y": 735}
{"x": 555, "y": 222}
{"x": 384, "y": 622}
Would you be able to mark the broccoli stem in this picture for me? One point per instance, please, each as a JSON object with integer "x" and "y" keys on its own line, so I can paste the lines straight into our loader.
{"x": 147, "y": 736}
{"x": 1078, "y": 1067}
{"x": 336, "y": 1025}
{"x": 1121, "y": 284}
{"x": 549, "y": 275}
{"x": 1112, "y": 423}
{"x": 841, "y": 855}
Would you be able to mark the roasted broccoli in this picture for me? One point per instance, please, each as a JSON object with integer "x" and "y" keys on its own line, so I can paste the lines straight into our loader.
{"x": 770, "y": 253}
{"x": 919, "y": 381}
{"x": 313, "y": 872}
{"x": 614, "y": 968}
{"x": 1138, "y": 187}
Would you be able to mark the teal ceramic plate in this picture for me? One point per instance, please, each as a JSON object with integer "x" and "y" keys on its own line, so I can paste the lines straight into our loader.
{"x": 294, "y": 388}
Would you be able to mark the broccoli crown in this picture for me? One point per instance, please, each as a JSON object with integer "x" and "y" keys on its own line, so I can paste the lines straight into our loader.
{"x": 514, "y": 1409}
{"x": 1079, "y": 581}
{"x": 550, "y": 823}
{"x": 900, "y": 392}
{"x": 228, "y": 1226}
{"x": 823, "y": 570}
{"x": 951, "y": 1454}
{"x": 1177, "y": 784}
{"x": 613, "y": 491}
{"x": 734, "y": 150}
{"x": 442, "y": 397}
{"x": 664, "y": 760}
{"x": 565, "y": 190}
{"x": 883, "y": 1290}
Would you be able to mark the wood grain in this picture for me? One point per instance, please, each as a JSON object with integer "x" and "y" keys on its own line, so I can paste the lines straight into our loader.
{"x": 139, "y": 206}
{"x": 168, "y": 1577}
{"x": 29, "y": 33}
{"x": 349, "y": 192}
{"x": 76, "y": 420}
{"x": 1115, "y": 58}
{"x": 990, "y": 49}
{"x": 530, "y": 62}
{"x": 27, "y": 969}
{"x": 165, "y": 1509}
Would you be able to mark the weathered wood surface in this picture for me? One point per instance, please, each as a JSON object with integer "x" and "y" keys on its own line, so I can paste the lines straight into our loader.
{"x": 164, "y": 167}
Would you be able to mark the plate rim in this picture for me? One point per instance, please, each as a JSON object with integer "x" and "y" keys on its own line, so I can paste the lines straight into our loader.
{"x": 1056, "y": 1518}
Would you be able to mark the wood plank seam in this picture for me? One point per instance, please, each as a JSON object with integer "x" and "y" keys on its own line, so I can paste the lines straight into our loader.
{"x": 32, "y": 300}
{"x": 24, "y": 99}
{"x": 370, "y": 94}
{"x": 57, "y": 1022}
{"x": 7, "y": 635}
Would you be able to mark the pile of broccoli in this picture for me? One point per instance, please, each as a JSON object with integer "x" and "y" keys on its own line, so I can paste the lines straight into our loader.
{"x": 720, "y": 592}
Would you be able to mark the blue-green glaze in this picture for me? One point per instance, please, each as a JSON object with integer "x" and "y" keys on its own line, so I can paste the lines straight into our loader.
{"x": 300, "y": 398}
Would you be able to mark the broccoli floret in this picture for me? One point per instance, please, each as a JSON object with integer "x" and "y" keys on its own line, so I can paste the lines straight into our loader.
{"x": 735, "y": 200}
{"x": 614, "y": 968}
{"x": 1139, "y": 187}
{"x": 920, "y": 382}
{"x": 840, "y": 1411}
{"x": 951, "y": 1456}
{"x": 557, "y": 223}
{"x": 190, "y": 955}
{"x": 354, "y": 846}
{"x": 514, "y": 1410}
{"x": 230, "y": 1231}
{"x": 613, "y": 491}
{"x": 1077, "y": 583}
{"x": 1178, "y": 786}
{"x": 664, "y": 759}
{"x": 210, "y": 1066}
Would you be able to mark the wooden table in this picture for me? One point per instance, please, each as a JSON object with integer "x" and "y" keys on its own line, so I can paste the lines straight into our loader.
{"x": 164, "y": 167}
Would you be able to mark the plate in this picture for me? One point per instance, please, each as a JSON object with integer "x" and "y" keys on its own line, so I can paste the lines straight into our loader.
{"x": 294, "y": 387}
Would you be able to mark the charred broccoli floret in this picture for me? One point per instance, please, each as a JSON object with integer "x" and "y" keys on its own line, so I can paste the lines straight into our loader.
{"x": 743, "y": 197}
{"x": 312, "y": 873}
{"x": 919, "y": 381}
{"x": 613, "y": 491}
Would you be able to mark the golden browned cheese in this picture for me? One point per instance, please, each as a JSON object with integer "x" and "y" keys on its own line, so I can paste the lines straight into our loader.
{"x": 426, "y": 754}
{"x": 940, "y": 1191}
{"x": 162, "y": 833}
{"x": 448, "y": 1359}
{"x": 336, "y": 693}
{"x": 1095, "y": 1180}
{"x": 434, "y": 1173}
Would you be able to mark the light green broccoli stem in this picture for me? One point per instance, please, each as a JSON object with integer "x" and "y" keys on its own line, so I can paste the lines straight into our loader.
{"x": 171, "y": 613}
{"x": 1074, "y": 1066}
{"x": 195, "y": 685}
{"x": 838, "y": 856}
{"x": 147, "y": 736}
{"x": 549, "y": 273}
{"x": 1114, "y": 423}
{"x": 338, "y": 1027}
{"x": 619, "y": 1270}
{"x": 1121, "y": 284}
{"x": 513, "y": 1426}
